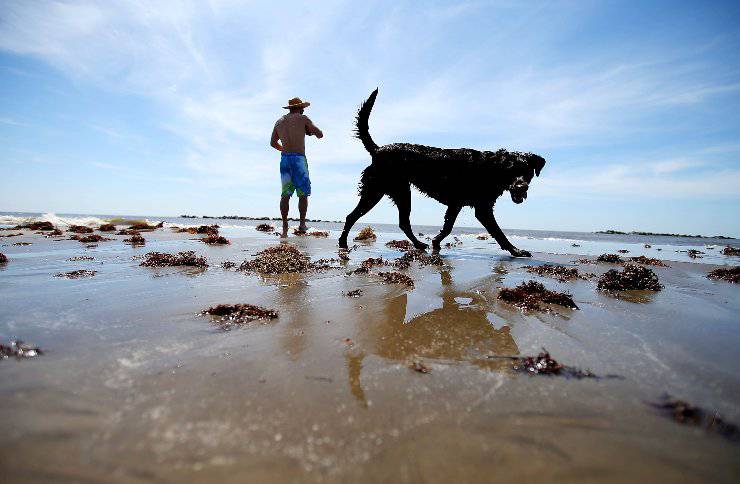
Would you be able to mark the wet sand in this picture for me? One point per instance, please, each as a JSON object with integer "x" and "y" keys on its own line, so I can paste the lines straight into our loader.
{"x": 135, "y": 386}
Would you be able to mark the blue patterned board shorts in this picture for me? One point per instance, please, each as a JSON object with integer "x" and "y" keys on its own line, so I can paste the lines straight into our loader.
{"x": 294, "y": 174}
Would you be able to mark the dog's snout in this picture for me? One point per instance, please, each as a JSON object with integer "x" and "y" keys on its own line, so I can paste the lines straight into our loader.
{"x": 518, "y": 190}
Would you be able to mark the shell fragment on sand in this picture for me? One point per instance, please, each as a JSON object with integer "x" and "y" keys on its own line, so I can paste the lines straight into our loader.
{"x": 18, "y": 349}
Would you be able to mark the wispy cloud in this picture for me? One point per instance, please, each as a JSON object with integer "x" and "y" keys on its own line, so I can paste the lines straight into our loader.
{"x": 12, "y": 122}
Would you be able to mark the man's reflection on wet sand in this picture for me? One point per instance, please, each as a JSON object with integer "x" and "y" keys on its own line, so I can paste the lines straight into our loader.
{"x": 293, "y": 294}
{"x": 459, "y": 331}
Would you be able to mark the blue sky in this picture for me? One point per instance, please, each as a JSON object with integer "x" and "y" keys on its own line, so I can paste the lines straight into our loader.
{"x": 167, "y": 107}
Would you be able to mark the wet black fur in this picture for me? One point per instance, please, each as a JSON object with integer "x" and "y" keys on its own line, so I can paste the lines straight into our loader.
{"x": 454, "y": 177}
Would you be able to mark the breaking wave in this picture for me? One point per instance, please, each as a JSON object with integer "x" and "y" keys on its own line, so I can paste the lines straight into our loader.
{"x": 66, "y": 221}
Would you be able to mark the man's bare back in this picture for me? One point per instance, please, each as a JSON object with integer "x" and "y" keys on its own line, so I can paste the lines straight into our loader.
{"x": 292, "y": 129}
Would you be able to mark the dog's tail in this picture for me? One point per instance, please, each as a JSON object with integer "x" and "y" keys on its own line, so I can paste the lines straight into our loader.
{"x": 362, "y": 129}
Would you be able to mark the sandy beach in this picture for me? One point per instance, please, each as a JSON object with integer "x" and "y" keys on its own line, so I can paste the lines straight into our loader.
{"x": 135, "y": 385}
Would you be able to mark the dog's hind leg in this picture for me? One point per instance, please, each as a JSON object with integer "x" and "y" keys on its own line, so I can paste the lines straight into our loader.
{"x": 485, "y": 216}
{"x": 402, "y": 198}
{"x": 368, "y": 200}
{"x": 450, "y": 217}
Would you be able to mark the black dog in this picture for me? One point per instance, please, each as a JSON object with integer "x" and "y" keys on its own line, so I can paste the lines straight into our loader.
{"x": 454, "y": 177}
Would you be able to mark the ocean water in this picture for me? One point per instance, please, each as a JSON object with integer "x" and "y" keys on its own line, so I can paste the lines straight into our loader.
{"x": 545, "y": 241}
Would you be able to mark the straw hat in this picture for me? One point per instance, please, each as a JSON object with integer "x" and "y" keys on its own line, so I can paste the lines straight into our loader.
{"x": 297, "y": 103}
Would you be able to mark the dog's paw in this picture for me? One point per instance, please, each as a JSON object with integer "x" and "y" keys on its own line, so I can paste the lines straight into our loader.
{"x": 520, "y": 253}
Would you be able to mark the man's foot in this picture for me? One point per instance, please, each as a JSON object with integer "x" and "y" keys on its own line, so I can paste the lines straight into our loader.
{"x": 303, "y": 228}
{"x": 284, "y": 234}
{"x": 342, "y": 242}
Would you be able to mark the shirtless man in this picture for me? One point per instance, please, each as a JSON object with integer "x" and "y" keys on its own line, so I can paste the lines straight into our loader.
{"x": 291, "y": 130}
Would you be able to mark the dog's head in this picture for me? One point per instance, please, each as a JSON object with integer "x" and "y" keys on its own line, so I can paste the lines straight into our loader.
{"x": 528, "y": 166}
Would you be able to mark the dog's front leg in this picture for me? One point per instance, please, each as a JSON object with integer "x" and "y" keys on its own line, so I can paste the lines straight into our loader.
{"x": 485, "y": 216}
{"x": 450, "y": 217}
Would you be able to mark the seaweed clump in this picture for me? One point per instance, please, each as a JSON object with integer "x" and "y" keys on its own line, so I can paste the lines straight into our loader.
{"x": 424, "y": 259}
{"x": 402, "y": 245}
{"x": 368, "y": 264}
{"x": 18, "y": 349}
{"x": 41, "y": 226}
{"x": 135, "y": 239}
{"x": 80, "y": 257}
{"x": 161, "y": 259}
{"x": 729, "y": 250}
{"x": 396, "y": 278}
{"x": 203, "y": 229}
{"x": 79, "y": 229}
{"x": 648, "y": 261}
{"x": 3, "y": 259}
{"x": 684, "y": 413}
{"x": 528, "y": 296}
{"x": 145, "y": 226}
{"x": 354, "y": 293}
{"x": 544, "y": 364}
{"x": 78, "y": 274}
{"x": 283, "y": 258}
{"x": 128, "y": 232}
{"x": 265, "y": 228}
{"x": 215, "y": 240}
{"x": 694, "y": 254}
{"x": 366, "y": 234}
{"x": 226, "y": 316}
{"x": 632, "y": 277}
{"x": 730, "y": 275}
{"x": 609, "y": 258}
{"x": 90, "y": 239}
{"x": 227, "y": 264}
{"x": 561, "y": 273}
{"x": 107, "y": 228}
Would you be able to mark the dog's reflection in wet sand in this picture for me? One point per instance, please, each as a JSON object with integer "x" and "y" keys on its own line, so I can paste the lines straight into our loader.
{"x": 460, "y": 331}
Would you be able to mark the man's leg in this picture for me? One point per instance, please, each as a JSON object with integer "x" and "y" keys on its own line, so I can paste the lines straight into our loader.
{"x": 284, "y": 208}
{"x": 302, "y": 208}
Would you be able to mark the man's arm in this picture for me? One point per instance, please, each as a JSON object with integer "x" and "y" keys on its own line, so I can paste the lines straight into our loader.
{"x": 275, "y": 140}
{"x": 311, "y": 129}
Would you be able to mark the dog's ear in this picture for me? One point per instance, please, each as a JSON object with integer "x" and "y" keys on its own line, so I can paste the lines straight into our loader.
{"x": 536, "y": 163}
